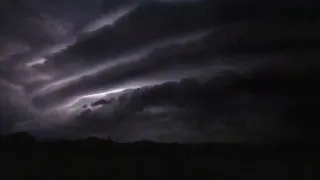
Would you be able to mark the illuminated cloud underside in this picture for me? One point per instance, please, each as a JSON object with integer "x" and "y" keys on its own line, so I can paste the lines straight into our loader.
{"x": 98, "y": 68}
{"x": 109, "y": 19}
{"x": 81, "y": 100}
{"x": 39, "y": 61}
{"x": 127, "y": 59}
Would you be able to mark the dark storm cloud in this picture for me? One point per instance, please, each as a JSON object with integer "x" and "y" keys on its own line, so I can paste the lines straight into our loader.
{"x": 229, "y": 107}
{"x": 145, "y": 25}
{"x": 275, "y": 39}
{"x": 73, "y": 49}
{"x": 32, "y": 29}
{"x": 147, "y": 61}
{"x": 45, "y": 24}
{"x": 14, "y": 105}
{"x": 130, "y": 32}
{"x": 233, "y": 106}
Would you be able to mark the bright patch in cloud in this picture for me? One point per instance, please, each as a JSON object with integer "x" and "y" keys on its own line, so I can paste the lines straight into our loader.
{"x": 109, "y": 20}
{"x": 39, "y": 61}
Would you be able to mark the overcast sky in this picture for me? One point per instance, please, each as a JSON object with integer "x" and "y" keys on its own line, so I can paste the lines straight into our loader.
{"x": 58, "y": 55}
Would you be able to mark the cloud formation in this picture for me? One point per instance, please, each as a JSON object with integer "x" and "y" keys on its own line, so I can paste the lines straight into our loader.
{"x": 73, "y": 53}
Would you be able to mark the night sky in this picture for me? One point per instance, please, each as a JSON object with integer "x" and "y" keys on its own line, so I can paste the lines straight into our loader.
{"x": 187, "y": 71}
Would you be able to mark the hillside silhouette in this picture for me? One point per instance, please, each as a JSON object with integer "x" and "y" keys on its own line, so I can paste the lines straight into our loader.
{"x": 24, "y": 155}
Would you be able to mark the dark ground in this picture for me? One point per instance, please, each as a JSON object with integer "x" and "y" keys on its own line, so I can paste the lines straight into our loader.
{"x": 23, "y": 156}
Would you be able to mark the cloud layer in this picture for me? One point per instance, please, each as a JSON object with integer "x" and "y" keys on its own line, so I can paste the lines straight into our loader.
{"x": 57, "y": 56}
